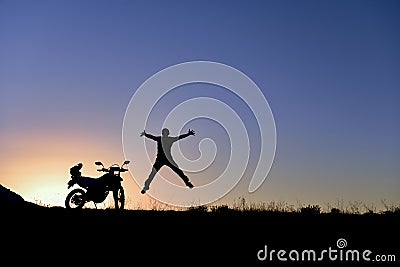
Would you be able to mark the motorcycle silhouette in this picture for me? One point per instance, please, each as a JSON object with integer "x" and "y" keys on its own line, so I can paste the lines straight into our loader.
{"x": 96, "y": 190}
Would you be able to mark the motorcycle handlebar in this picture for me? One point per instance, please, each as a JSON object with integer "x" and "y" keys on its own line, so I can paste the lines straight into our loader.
{"x": 106, "y": 170}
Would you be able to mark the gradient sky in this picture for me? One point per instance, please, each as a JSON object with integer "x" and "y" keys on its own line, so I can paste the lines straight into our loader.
{"x": 330, "y": 71}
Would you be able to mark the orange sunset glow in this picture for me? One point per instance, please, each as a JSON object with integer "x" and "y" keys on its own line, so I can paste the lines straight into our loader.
{"x": 38, "y": 167}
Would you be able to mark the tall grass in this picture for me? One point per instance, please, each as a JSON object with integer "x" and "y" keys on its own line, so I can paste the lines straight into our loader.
{"x": 242, "y": 205}
{"x": 339, "y": 207}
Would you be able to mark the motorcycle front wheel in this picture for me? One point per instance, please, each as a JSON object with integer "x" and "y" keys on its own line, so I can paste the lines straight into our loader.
{"x": 121, "y": 198}
{"x": 75, "y": 199}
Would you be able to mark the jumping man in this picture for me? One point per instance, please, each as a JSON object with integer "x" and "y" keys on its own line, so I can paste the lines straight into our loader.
{"x": 164, "y": 157}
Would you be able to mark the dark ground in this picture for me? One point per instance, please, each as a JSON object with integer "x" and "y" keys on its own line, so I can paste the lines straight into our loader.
{"x": 54, "y": 236}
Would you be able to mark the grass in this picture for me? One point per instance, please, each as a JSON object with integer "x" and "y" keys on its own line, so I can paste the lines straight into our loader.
{"x": 340, "y": 207}
{"x": 242, "y": 205}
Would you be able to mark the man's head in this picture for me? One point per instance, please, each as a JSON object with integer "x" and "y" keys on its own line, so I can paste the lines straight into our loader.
{"x": 165, "y": 132}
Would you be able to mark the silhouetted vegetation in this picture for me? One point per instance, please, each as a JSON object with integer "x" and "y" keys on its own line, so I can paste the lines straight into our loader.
{"x": 243, "y": 206}
{"x": 311, "y": 209}
{"x": 226, "y": 234}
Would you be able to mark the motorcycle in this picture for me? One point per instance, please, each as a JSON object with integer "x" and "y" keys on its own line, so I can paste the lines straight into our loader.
{"x": 96, "y": 190}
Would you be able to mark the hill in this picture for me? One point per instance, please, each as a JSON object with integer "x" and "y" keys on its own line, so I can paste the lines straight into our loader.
{"x": 194, "y": 236}
{"x": 10, "y": 199}
{"x": 197, "y": 237}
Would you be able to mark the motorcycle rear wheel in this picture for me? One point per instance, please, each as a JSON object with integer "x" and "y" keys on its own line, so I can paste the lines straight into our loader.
{"x": 75, "y": 199}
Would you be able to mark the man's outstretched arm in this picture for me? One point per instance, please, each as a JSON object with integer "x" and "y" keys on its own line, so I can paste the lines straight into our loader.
{"x": 148, "y": 135}
{"x": 190, "y": 132}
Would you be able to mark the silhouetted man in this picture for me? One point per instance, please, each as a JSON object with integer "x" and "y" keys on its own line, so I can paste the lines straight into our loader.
{"x": 164, "y": 157}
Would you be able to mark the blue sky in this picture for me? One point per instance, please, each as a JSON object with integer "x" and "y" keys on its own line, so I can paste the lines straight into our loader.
{"x": 329, "y": 70}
